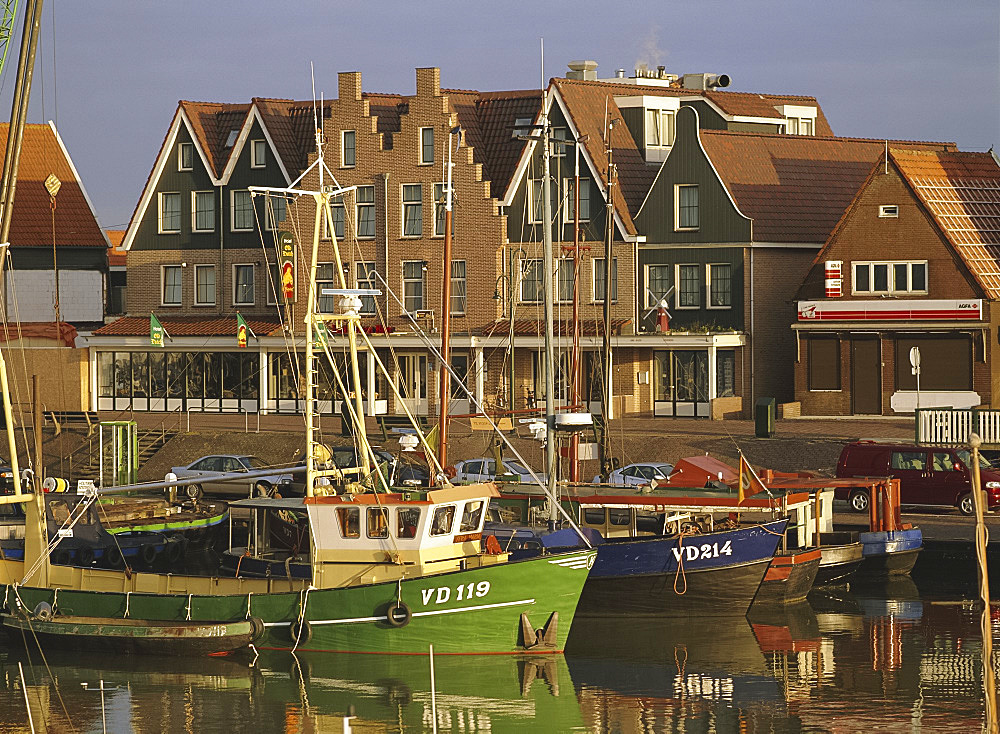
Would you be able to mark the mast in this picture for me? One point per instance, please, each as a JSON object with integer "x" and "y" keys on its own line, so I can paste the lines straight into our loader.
{"x": 550, "y": 355}
{"x": 606, "y": 407}
{"x": 446, "y": 319}
{"x": 574, "y": 440}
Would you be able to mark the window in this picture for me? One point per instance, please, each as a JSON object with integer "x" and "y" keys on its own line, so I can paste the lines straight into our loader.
{"x": 908, "y": 460}
{"x": 565, "y": 275}
{"x": 799, "y": 125}
{"x": 407, "y": 520}
{"x": 444, "y": 519}
{"x": 365, "y": 211}
{"x": 277, "y": 211}
{"x": 413, "y": 210}
{"x": 349, "y": 521}
{"x": 204, "y": 285}
{"x": 720, "y": 288}
{"x": 234, "y": 135}
{"x": 203, "y": 211}
{"x": 824, "y": 363}
{"x": 535, "y": 211}
{"x": 657, "y": 283}
{"x": 888, "y": 210}
{"x": 439, "y": 210}
{"x": 324, "y": 280}
{"x": 258, "y": 153}
{"x": 945, "y": 362}
{"x": 725, "y": 373}
{"x": 558, "y": 150}
{"x": 242, "y": 215}
{"x": 170, "y": 276}
{"x": 599, "y": 279}
{"x": 243, "y": 285}
{"x": 413, "y": 285}
{"x": 584, "y": 200}
{"x": 531, "y": 280}
{"x": 347, "y": 149}
{"x": 378, "y": 522}
{"x": 426, "y": 145}
{"x": 890, "y": 277}
{"x": 185, "y": 156}
{"x": 942, "y": 461}
{"x": 337, "y": 215}
{"x": 471, "y": 516}
{"x": 659, "y": 128}
{"x": 522, "y": 126}
{"x": 458, "y": 287}
{"x": 686, "y": 200}
{"x": 688, "y": 286}
{"x": 170, "y": 213}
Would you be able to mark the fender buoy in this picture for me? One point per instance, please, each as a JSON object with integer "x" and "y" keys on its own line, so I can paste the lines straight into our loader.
{"x": 114, "y": 558}
{"x": 301, "y": 631}
{"x": 85, "y": 556}
{"x": 195, "y": 534}
{"x": 61, "y": 557}
{"x": 43, "y": 610}
{"x": 175, "y": 549}
{"x": 148, "y": 554}
{"x": 257, "y": 628}
{"x": 398, "y": 614}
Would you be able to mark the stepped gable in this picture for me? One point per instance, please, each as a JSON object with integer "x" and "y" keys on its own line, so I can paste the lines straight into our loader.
{"x": 189, "y": 326}
{"x": 31, "y": 226}
{"x": 794, "y": 187}
{"x": 961, "y": 191}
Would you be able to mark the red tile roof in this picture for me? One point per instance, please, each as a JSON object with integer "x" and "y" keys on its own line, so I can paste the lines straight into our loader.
{"x": 794, "y": 187}
{"x": 961, "y": 191}
{"x": 31, "y": 225}
{"x": 188, "y": 326}
{"x": 116, "y": 256}
{"x": 38, "y": 330}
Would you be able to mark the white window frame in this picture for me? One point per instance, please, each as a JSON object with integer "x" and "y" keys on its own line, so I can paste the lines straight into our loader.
{"x": 439, "y": 209}
{"x": 343, "y": 149}
{"x": 526, "y": 265}
{"x": 270, "y": 204}
{"x": 677, "y": 208}
{"x": 888, "y": 211}
{"x": 663, "y": 120}
{"x": 324, "y": 281}
{"x": 890, "y": 277}
{"x": 194, "y": 211}
{"x": 161, "y": 197}
{"x": 406, "y": 204}
{"x": 562, "y": 262}
{"x": 163, "y": 285}
{"x": 571, "y": 199}
{"x": 236, "y": 284}
{"x": 365, "y": 277}
{"x": 325, "y": 229}
{"x": 648, "y": 297}
{"x": 462, "y": 281}
{"x": 258, "y": 153}
{"x": 422, "y": 160}
{"x": 708, "y": 286}
{"x": 215, "y": 285}
{"x": 232, "y": 211}
{"x": 183, "y": 148}
{"x": 558, "y": 150}
{"x": 677, "y": 286}
{"x": 357, "y": 213}
{"x": 522, "y": 126}
{"x": 597, "y": 266}
{"x": 535, "y": 217}
{"x": 422, "y": 280}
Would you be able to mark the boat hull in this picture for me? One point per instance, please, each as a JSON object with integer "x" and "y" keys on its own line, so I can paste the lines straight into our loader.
{"x": 789, "y": 577}
{"x": 713, "y": 574}
{"x": 891, "y": 553}
{"x": 838, "y": 565}
{"x": 516, "y": 607}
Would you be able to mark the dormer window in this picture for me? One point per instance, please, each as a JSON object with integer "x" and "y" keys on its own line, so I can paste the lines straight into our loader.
{"x": 231, "y": 140}
{"x": 799, "y": 119}
{"x": 799, "y": 126}
{"x": 659, "y": 128}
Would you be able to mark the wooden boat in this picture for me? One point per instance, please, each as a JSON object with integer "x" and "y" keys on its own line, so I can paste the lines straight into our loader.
{"x": 841, "y": 556}
{"x": 130, "y": 635}
{"x": 789, "y": 577}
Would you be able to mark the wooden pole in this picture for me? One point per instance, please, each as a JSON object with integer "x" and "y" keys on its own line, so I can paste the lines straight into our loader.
{"x": 445, "y": 393}
{"x": 989, "y": 681}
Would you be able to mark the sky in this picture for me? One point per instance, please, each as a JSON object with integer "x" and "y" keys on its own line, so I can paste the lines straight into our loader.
{"x": 110, "y": 72}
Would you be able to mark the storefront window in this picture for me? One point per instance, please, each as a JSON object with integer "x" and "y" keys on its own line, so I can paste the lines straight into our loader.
{"x": 725, "y": 373}
{"x": 106, "y": 374}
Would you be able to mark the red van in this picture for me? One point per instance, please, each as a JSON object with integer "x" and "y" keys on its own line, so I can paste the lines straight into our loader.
{"x": 929, "y": 475}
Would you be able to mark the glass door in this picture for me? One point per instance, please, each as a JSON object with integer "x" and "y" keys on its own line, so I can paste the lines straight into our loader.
{"x": 413, "y": 382}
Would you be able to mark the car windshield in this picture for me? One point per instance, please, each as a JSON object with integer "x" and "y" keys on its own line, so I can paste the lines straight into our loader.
{"x": 252, "y": 462}
{"x": 966, "y": 456}
{"x": 664, "y": 469}
{"x": 515, "y": 468}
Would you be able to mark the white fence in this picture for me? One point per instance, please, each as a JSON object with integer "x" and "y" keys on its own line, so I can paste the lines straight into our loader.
{"x": 950, "y": 426}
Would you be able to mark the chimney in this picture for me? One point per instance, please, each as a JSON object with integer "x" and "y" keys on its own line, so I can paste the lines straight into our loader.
{"x": 349, "y": 85}
{"x": 585, "y": 70}
{"x": 429, "y": 82}
{"x": 620, "y": 74}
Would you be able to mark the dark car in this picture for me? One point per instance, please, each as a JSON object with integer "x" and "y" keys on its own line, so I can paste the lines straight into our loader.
{"x": 928, "y": 475}
{"x": 402, "y": 472}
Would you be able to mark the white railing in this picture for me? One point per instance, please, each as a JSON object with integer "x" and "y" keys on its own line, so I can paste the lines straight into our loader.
{"x": 954, "y": 426}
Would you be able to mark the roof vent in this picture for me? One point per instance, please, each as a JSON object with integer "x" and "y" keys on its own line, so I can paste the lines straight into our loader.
{"x": 706, "y": 81}
{"x": 620, "y": 73}
{"x": 585, "y": 70}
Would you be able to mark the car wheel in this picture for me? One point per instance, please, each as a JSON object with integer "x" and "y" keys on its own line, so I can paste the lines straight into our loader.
{"x": 263, "y": 489}
{"x": 193, "y": 492}
{"x": 967, "y": 504}
{"x": 859, "y": 500}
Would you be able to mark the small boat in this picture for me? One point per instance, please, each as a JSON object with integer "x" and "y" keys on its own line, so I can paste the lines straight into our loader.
{"x": 841, "y": 557}
{"x": 789, "y": 577}
{"x": 131, "y": 635}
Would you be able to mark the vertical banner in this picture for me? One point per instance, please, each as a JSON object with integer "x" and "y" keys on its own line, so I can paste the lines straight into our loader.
{"x": 287, "y": 273}
{"x": 241, "y": 332}
{"x": 834, "y": 280}
{"x": 155, "y": 331}
{"x": 320, "y": 335}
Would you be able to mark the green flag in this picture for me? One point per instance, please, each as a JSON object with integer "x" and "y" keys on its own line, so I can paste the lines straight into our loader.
{"x": 241, "y": 332}
{"x": 321, "y": 335}
{"x": 156, "y": 331}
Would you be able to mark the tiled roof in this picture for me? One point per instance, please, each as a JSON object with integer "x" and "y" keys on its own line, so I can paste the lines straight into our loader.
{"x": 749, "y": 104}
{"x": 116, "y": 256}
{"x": 38, "y": 330}
{"x": 188, "y": 326}
{"x": 794, "y": 187}
{"x": 532, "y": 327}
{"x": 387, "y": 108}
{"x": 31, "y": 225}
{"x": 962, "y": 193}
{"x": 208, "y": 121}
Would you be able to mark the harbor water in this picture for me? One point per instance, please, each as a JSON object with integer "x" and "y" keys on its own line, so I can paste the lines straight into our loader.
{"x": 895, "y": 656}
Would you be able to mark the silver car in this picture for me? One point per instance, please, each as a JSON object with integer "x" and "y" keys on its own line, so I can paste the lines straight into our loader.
{"x": 633, "y": 475}
{"x": 212, "y": 471}
{"x": 485, "y": 470}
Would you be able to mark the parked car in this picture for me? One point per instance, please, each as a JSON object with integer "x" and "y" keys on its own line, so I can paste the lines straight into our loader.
{"x": 633, "y": 475}
{"x": 212, "y": 470}
{"x": 485, "y": 470}
{"x": 929, "y": 475}
{"x": 401, "y": 471}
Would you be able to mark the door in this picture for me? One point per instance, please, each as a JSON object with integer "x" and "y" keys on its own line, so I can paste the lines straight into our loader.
{"x": 949, "y": 478}
{"x": 912, "y": 470}
{"x": 866, "y": 377}
{"x": 413, "y": 382}
{"x": 691, "y": 383}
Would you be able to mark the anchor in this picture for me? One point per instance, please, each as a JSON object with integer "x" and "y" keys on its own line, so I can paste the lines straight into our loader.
{"x": 531, "y": 670}
{"x": 544, "y": 637}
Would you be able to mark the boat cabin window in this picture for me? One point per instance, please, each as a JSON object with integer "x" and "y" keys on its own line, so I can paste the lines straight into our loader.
{"x": 378, "y": 522}
{"x": 593, "y": 516}
{"x": 471, "y": 516}
{"x": 444, "y": 519}
{"x": 60, "y": 512}
{"x": 349, "y": 520}
{"x": 619, "y": 517}
{"x": 407, "y": 520}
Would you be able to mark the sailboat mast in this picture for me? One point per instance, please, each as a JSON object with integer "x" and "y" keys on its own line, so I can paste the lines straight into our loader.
{"x": 574, "y": 441}
{"x": 550, "y": 354}
{"x": 606, "y": 406}
{"x": 446, "y": 323}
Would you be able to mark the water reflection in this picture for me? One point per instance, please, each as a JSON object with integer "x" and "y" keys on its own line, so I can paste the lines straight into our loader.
{"x": 890, "y": 657}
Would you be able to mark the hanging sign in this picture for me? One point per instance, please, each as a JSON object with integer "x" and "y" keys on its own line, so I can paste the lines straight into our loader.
{"x": 155, "y": 331}
{"x": 287, "y": 249}
{"x": 241, "y": 332}
{"x": 834, "y": 281}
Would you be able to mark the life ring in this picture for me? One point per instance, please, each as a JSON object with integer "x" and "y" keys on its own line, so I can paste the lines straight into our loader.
{"x": 147, "y": 553}
{"x": 43, "y": 610}
{"x": 257, "y": 628}
{"x": 398, "y": 614}
{"x": 85, "y": 556}
{"x": 61, "y": 557}
{"x": 301, "y": 631}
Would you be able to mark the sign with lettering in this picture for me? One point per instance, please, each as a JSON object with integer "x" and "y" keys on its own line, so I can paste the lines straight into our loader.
{"x": 970, "y": 309}
{"x": 287, "y": 271}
